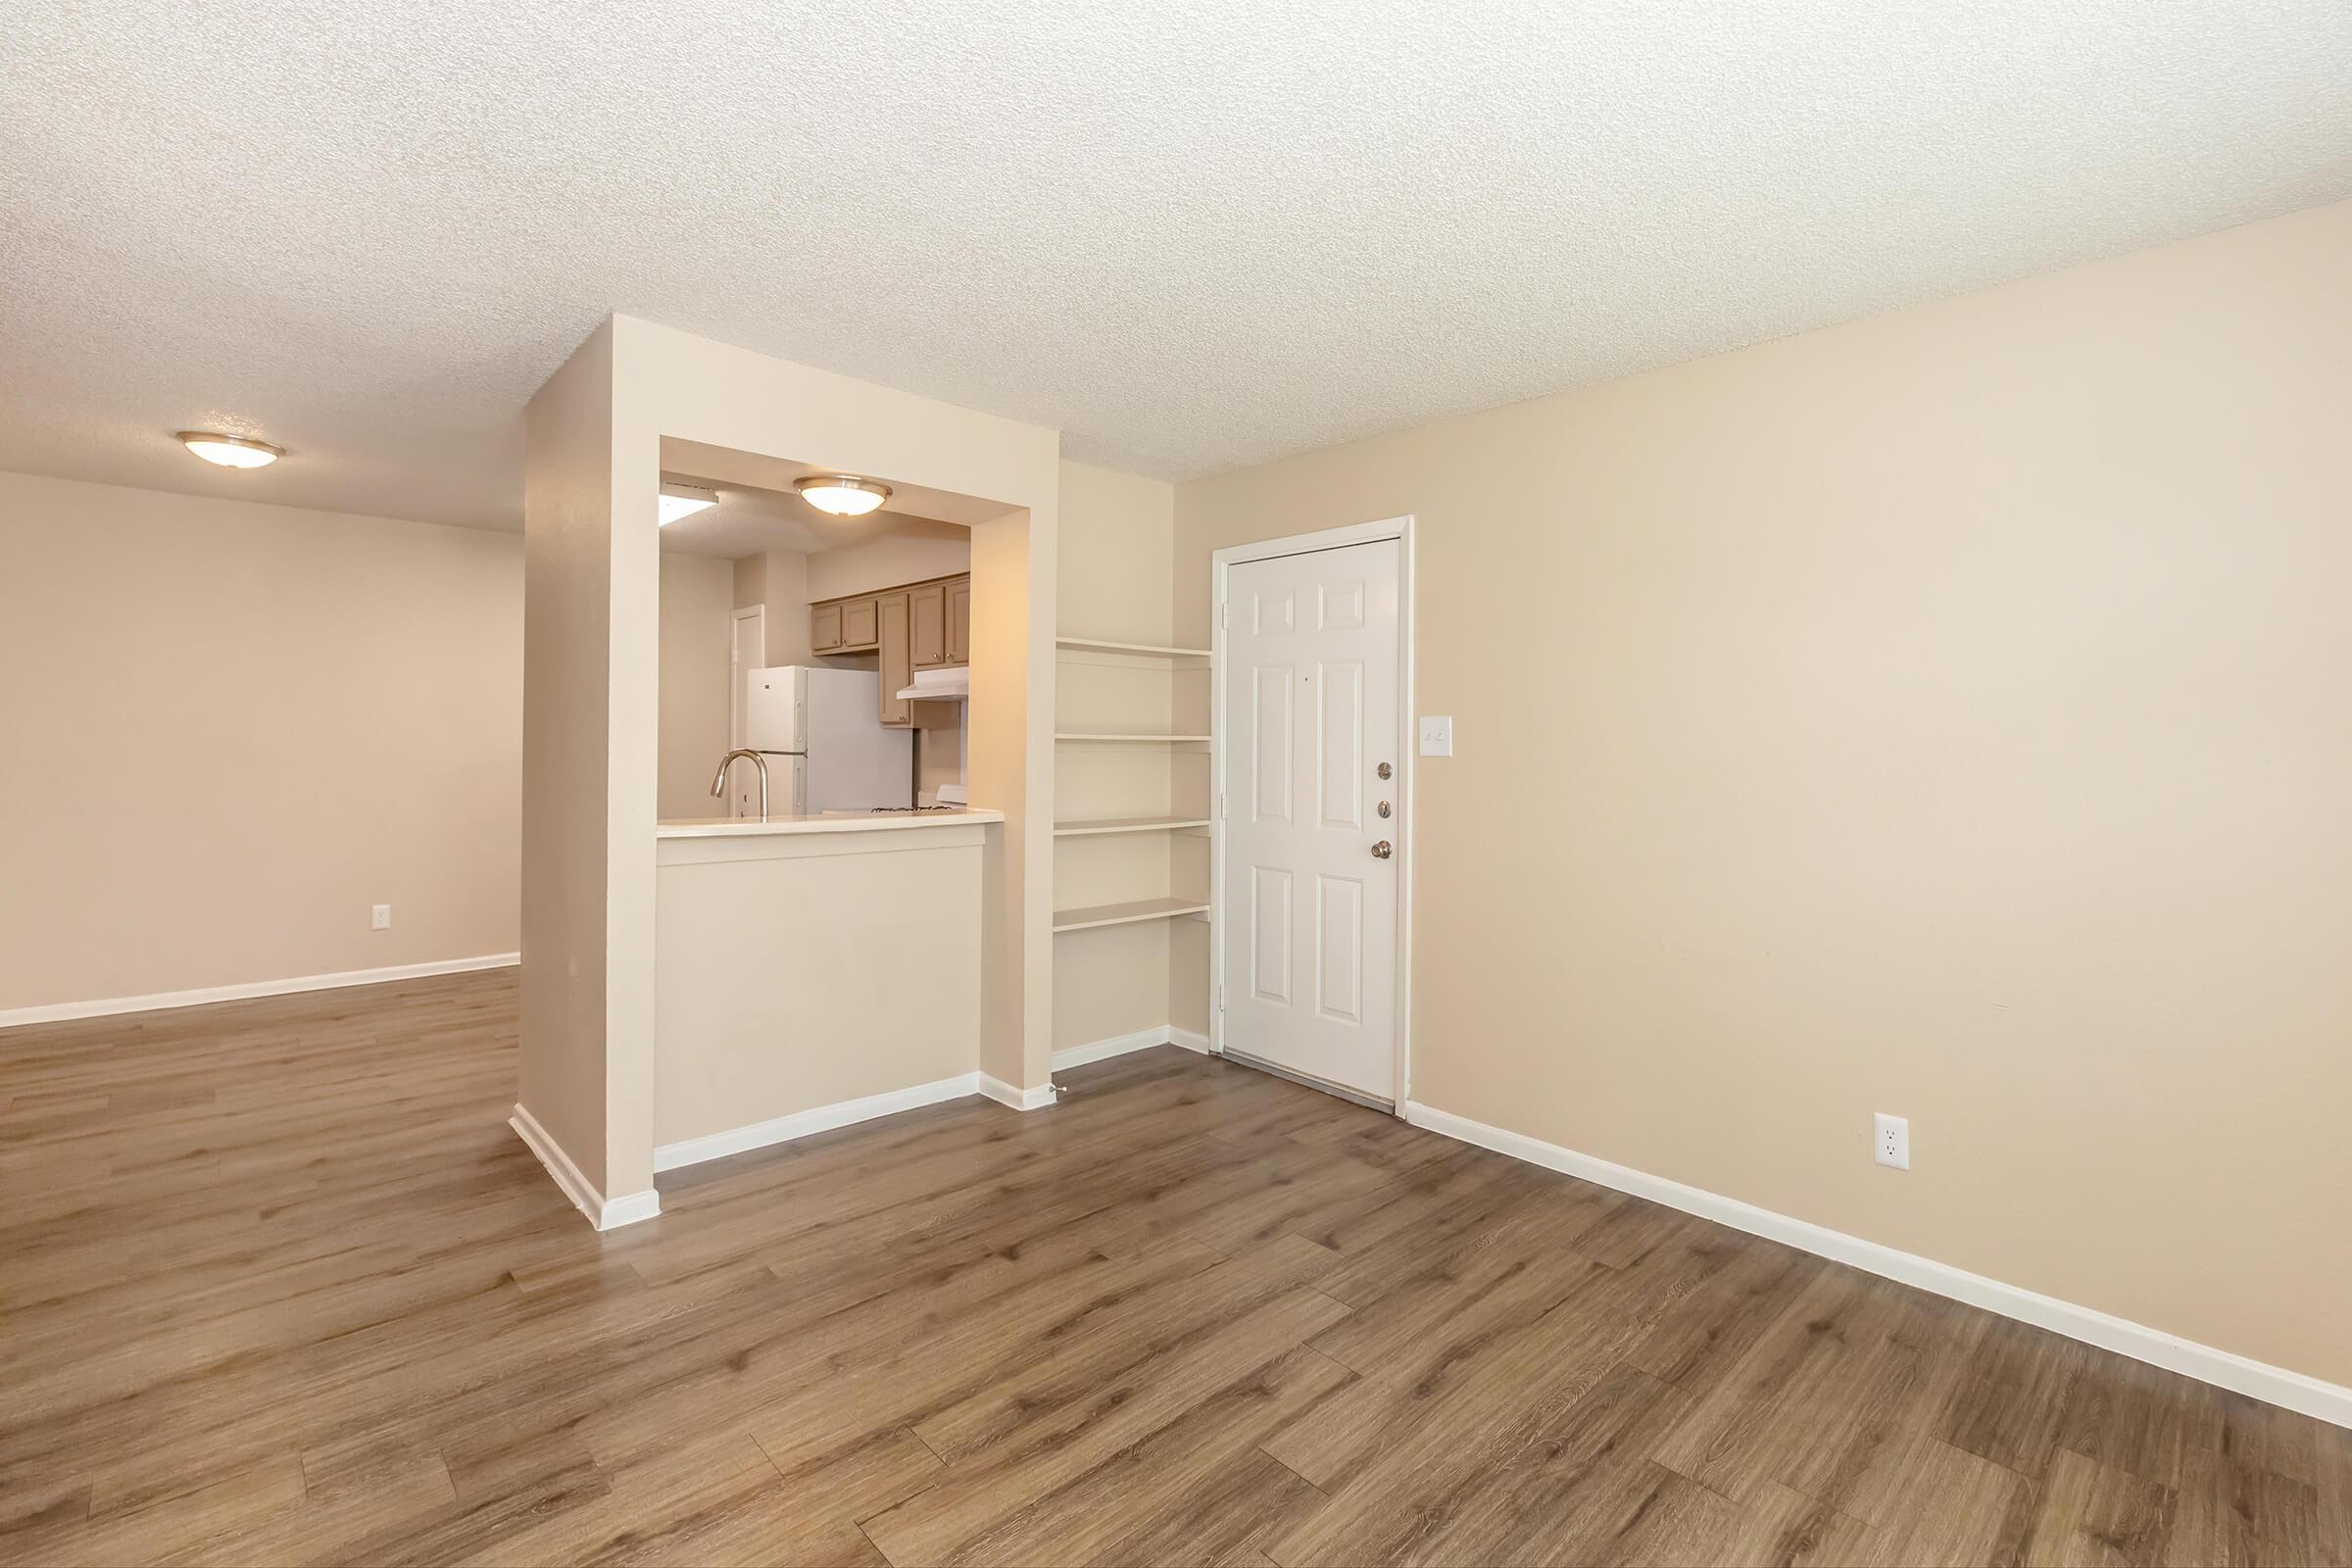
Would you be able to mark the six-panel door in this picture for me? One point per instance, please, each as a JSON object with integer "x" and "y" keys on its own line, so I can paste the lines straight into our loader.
{"x": 1310, "y": 919}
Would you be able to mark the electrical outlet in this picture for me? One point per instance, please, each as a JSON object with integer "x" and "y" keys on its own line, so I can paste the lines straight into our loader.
{"x": 1890, "y": 1140}
{"x": 1437, "y": 736}
{"x": 380, "y": 918}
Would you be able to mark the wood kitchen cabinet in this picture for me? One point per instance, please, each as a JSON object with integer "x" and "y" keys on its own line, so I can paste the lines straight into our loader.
{"x": 927, "y": 625}
{"x": 860, "y": 624}
{"x": 960, "y": 621}
{"x": 897, "y": 664}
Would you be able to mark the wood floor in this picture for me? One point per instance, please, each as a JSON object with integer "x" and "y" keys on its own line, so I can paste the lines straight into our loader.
{"x": 279, "y": 1285}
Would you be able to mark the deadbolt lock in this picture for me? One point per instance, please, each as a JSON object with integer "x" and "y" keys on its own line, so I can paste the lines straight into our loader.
{"x": 1383, "y": 807}
{"x": 1382, "y": 770}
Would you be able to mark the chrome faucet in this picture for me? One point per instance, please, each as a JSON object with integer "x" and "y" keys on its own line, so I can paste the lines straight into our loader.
{"x": 718, "y": 782}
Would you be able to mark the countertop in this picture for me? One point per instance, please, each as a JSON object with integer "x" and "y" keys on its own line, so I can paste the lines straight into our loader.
{"x": 715, "y": 827}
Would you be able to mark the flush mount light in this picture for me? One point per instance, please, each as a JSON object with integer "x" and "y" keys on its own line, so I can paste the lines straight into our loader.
{"x": 684, "y": 501}
{"x": 841, "y": 495}
{"x": 230, "y": 451}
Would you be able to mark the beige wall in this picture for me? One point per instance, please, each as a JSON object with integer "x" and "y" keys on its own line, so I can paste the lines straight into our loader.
{"x": 786, "y": 587}
{"x": 778, "y": 953}
{"x": 228, "y": 729}
{"x": 590, "y": 667}
{"x": 1942, "y": 714}
{"x": 777, "y": 580}
{"x": 888, "y": 561}
{"x": 697, "y": 608}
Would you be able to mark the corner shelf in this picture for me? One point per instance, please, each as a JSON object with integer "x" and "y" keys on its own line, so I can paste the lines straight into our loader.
{"x": 1090, "y": 827}
{"x": 1091, "y": 645}
{"x": 1088, "y": 916}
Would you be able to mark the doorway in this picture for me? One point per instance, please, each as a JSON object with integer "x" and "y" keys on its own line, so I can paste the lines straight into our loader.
{"x": 746, "y": 651}
{"x": 1312, "y": 688}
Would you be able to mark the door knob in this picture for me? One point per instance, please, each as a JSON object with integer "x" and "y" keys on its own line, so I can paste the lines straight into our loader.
{"x": 1382, "y": 851}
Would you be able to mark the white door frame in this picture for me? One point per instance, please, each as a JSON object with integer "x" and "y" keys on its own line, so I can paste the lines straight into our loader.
{"x": 1221, "y": 562}
{"x": 751, "y": 612}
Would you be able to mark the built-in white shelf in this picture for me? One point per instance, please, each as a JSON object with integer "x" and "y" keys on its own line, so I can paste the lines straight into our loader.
{"x": 1149, "y": 740}
{"x": 1090, "y": 645}
{"x": 1089, "y": 916}
{"x": 1125, "y": 824}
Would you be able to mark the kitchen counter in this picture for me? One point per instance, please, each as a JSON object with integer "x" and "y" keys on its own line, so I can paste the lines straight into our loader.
{"x": 732, "y": 827}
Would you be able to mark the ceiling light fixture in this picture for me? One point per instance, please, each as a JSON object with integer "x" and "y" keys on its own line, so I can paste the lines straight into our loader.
{"x": 684, "y": 501}
{"x": 841, "y": 495}
{"x": 230, "y": 451}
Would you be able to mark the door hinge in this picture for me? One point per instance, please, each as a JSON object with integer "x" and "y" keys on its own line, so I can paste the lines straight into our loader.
{"x": 1220, "y": 806}
{"x": 1220, "y": 998}
{"x": 1221, "y": 611}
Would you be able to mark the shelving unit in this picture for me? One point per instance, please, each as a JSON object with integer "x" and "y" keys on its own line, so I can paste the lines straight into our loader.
{"x": 1088, "y": 917}
{"x": 1147, "y": 818}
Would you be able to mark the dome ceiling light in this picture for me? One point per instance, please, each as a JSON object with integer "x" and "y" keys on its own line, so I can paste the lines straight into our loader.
{"x": 842, "y": 495}
{"x": 230, "y": 451}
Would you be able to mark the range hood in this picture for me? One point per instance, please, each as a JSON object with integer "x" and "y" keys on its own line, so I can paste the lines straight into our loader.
{"x": 951, "y": 685}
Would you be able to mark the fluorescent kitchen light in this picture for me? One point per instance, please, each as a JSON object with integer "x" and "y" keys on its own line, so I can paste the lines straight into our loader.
{"x": 684, "y": 501}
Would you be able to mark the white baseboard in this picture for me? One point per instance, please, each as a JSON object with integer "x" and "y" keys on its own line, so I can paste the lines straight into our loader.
{"x": 1120, "y": 1045}
{"x": 62, "y": 1011}
{"x": 1037, "y": 1096}
{"x": 1115, "y": 1045}
{"x": 2295, "y": 1390}
{"x": 602, "y": 1212}
{"x": 808, "y": 1123}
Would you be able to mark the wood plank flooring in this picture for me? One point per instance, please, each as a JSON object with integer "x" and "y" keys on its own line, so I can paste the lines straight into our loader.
{"x": 279, "y": 1285}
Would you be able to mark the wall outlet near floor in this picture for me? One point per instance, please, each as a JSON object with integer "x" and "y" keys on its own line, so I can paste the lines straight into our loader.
{"x": 1437, "y": 736}
{"x": 1890, "y": 1140}
{"x": 380, "y": 918}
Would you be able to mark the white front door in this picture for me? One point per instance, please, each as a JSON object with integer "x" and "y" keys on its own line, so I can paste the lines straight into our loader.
{"x": 1312, "y": 725}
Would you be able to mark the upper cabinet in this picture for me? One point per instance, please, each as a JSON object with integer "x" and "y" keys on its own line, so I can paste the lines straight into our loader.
{"x": 938, "y": 624}
{"x": 927, "y": 625}
{"x": 896, "y": 668}
{"x": 960, "y": 621}
{"x": 860, "y": 624}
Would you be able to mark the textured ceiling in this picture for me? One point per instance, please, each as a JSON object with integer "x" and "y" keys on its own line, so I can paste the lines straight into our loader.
{"x": 1188, "y": 235}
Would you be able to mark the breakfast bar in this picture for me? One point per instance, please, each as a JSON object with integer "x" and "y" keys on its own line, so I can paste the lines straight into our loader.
{"x": 811, "y": 971}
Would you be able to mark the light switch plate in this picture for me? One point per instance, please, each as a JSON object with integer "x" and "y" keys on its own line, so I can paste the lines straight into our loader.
{"x": 1437, "y": 736}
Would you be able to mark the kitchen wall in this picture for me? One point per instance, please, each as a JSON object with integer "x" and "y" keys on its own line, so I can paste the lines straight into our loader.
{"x": 229, "y": 728}
{"x": 1944, "y": 714}
{"x": 925, "y": 550}
{"x": 779, "y": 580}
{"x": 698, "y": 606}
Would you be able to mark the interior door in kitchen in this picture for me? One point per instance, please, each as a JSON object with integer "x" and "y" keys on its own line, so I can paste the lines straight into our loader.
{"x": 1310, "y": 773}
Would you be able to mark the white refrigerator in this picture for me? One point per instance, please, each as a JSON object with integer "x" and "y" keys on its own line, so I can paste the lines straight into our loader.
{"x": 821, "y": 733}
